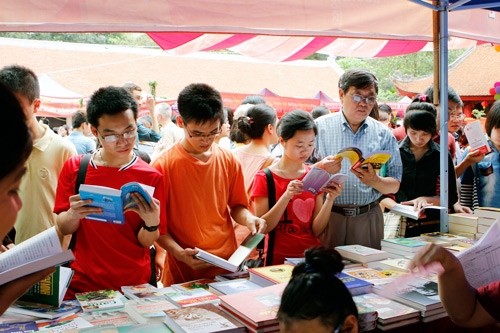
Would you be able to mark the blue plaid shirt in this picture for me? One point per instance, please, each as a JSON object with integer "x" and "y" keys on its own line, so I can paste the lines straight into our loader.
{"x": 334, "y": 134}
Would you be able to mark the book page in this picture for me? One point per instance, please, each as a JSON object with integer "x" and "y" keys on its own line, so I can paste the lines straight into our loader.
{"x": 39, "y": 246}
{"x": 476, "y": 137}
{"x": 145, "y": 190}
{"x": 246, "y": 247}
{"x": 481, "y": 262}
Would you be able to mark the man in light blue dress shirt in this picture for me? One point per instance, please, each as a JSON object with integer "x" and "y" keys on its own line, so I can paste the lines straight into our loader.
{"x": 356, "y": 216}
{"x": 80, "y": 136}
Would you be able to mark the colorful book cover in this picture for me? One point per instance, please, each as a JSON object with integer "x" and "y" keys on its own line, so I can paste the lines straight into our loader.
{"x": 152, "y": 307}
{"x": 405, "y": 244}
{"x": 44, "y": 310}
{"x": 195, "y": 284}
{"x": 388, "y": 310}
{"x": 114, "y": 201}
{"x": 140, "y": 291}
{"x": 377, "y": 158}
{"x": 106, "y": 299}
{"x": 25, "y": 327}
{"x": 50, "y": 290}
{"x": 356, "y": 286}
{"x": 192, "y": 297}
{"x": 269, "y": 275}
{"x": 104, "y": 318}
{"x": 317, "y": 178}
{"x": 63, "y": 324}
{"x": 374, "y": 276}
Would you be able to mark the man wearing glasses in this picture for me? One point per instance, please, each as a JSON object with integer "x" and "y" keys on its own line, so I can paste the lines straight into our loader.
{"x": 108, "y": 255}
{"x": 204, "y": 189}
{"x": 356, "y": 216}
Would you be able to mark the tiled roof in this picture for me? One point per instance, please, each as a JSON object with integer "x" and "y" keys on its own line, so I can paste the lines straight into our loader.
{"x": 471, "y": 75}
{"x": 84, "y": 68}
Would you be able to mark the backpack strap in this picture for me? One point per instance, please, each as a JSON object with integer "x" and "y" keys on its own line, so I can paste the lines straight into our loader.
{"x": 271, "y": 197}
{"x": 80, "y": 179}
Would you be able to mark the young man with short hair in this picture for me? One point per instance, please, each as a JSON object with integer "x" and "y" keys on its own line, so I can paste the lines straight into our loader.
{"x": 80, "y": 134}
{"x": 108, "y": 255}
{"x": 204, "y": 189}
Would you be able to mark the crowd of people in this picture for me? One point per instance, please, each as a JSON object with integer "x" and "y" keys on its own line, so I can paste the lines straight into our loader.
{"x": 210, "y": 193}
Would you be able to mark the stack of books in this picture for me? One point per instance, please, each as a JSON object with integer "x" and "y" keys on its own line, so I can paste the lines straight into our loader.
{"x": 463, "y": 224}
{"x": 486, "y": 216}
{"x": 403, "y": 247}
{"x": 356, "y": 286}
{"x": 391, "y": 314}
{"x": 374, "y": 276}
{"x": 398, "y": 264}
{"x": 361, "y": 254}
{"x": 256, "y": 309}
{"x": 232, "y": 286}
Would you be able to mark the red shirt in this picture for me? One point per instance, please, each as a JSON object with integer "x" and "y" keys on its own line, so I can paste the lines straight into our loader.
{"x": 489, "y": 297}
{"x": 108, "y": 256}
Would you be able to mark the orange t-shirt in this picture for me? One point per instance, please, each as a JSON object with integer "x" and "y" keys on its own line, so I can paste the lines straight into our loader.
{"x": 198, "y": 197}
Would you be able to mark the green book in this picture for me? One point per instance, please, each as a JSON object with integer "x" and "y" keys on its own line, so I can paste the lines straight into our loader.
{"x": 51, "y": 290}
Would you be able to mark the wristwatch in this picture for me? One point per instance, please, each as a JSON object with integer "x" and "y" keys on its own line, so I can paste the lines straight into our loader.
{"x": 150, "y": 228}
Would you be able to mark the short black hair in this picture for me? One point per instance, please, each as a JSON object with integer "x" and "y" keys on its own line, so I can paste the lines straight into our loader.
{"x": 79, "y": 118}
{"x": 200, "y": 103}
{"x": 21, "y": 80}
{"x": 452, "y": 95}
{"x": 359, "y": 79}
{"x": 109, "y": 100}
{"x": 293, "y": 121}
{"x": 15, "y": 135}
{"x": 493, "y": 118}
{"x": 420, "y": 120}
{"x": 319, "y": 111}
{"x": 254, "y": 99}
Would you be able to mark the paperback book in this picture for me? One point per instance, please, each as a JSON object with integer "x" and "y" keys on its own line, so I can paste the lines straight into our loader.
{"x": 202, "y": 319}
{"x": 197, "y": 296}
{"x": 63, "y": 324}
{"x": 234, "y": 262}
{"x": 114, "y": 318}
{"x": 356, "y": 286}
{"x": 35, "y": 254}
{"x": 374, "y": 276}
{"x": 269, "y": 275}
{"x": 232, "y": 286}
{"x": 50, "y": 290}
{"x": 388, "y": 310}
{"x": 113, "y": 201}
{"x": 144, "y": 309}
{"x": 476, "y": 137}
{"x": 106, "y": 299}
{"x": 360, "y": 253}
{"x": 411, "y": 245}
{"x": 194, "y": 284}
{"x": 140, "y": 291}
{"x": 44, "y": 310}
{"x": 377, "y": 158}
{"x": 317, "y": 178}
{"x": 409, "y": 211}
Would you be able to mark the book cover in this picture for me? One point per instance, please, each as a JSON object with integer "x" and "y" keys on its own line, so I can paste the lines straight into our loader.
{"x": 256, "y": 308}
{"x": 34, "y": 254}
{"x": 201, "y": 319}
{"x": 106, "y": 299}
{"x": 236, "y": 259}
{"x": 356, "y": 286}
{"x": 113, "y": 201}
{"x": 194, "y": 284}
{"x": 389, "y": 311}
{"x": 23, "y": 327}
{"x": 374, "y": 276}
{"x": 476, "y": 137}
{"x": 361, "y": 253}
{"x": 409, "y": 211}
{"x": 50, "y": 290}
{"x": 193, "y": 297}
{"x": 269, "y": 275}
{"x": 356, "y": 158}
{"x": 399, "y": 264}
{"x": 140, "y": 291}
{"x": 442, "y": 238}
{"x": 63, "y": 324}
{"x": 405, "y": 244}
{"x": 146, "y": 308}
{"x": 232, "y": 286}
{"x": 44, "y": 310}
{"x": 317, "y": 178}
{"x": 115, "y": 318}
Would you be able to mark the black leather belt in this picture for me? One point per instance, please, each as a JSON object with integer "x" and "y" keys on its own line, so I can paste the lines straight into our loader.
{"x": 354, "y": 211}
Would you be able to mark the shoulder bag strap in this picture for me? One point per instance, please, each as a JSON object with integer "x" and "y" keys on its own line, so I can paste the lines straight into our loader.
{"x": 271, "y": 196}
{"x": 80, "y": 179}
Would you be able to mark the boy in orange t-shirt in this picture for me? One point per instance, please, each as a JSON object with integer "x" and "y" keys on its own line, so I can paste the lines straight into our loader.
{"x": 204, "y": 189}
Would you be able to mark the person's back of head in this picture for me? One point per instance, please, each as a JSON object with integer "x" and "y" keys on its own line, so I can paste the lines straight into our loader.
{"x": 163, "y": 110}
{"x": 254, "y": 99}
{"x": 293, "y": 121}
{"x": 314, "y": 293}
{"x": 131, "y": 87}
{"x": 452, "y": 95}
{"x": 15, "y": 134}
{"x": 384, "y": 108}
{"x": 21, "y": 81}
{"x": 78, "y": 119}
{"x": 493, "y": 118}
{"x": 200, "y": 103}
{"x": 257, "y": 119}
{"x": 109, "y": 101}
{"x": 319, "y": 111}
{"x": 359, "y": 79}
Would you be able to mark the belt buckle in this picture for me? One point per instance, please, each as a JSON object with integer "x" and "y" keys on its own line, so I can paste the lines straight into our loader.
{"x": 350, "y": 211}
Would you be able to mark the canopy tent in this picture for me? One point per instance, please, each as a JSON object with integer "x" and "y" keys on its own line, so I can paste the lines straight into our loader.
{"x": 395, "y": 20}
{"x": 57, "y": 101}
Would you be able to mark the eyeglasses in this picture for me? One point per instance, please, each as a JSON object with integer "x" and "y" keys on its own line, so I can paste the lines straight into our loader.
{"x": 112, "y": 138}
{"x": 459, "y": 116}
{"x": 368, "y": 100}
{"x": 198, "y": 135}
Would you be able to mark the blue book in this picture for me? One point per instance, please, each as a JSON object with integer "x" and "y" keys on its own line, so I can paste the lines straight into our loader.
{"x": 114, "y": 201}
{"x": 356, "y": 286}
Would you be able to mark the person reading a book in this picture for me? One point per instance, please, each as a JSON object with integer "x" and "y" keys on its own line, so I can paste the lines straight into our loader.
{"x": 356, "y": 217}
{"x": 12, "y": 169}
{"x": 466, "y": 306}
{"x": 204, "y": 188}
{"x": 110, "y": 255}
{"x": 299, "y": 216}
{"x": 481, "y": 177}
{"x": 315, "y": 300}
{"x": 421, "y": 159}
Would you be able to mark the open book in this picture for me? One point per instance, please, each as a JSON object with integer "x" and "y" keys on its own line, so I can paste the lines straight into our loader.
{"x": 113, "y": 201}
{"x": 34, "y": 254}
{"x": 234, "y": 262}
{"x": 317, "y": 178}
{"x": 409, "y": 211}
{"x": 476, "y": 137}
{"x": 355, "y": 156}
